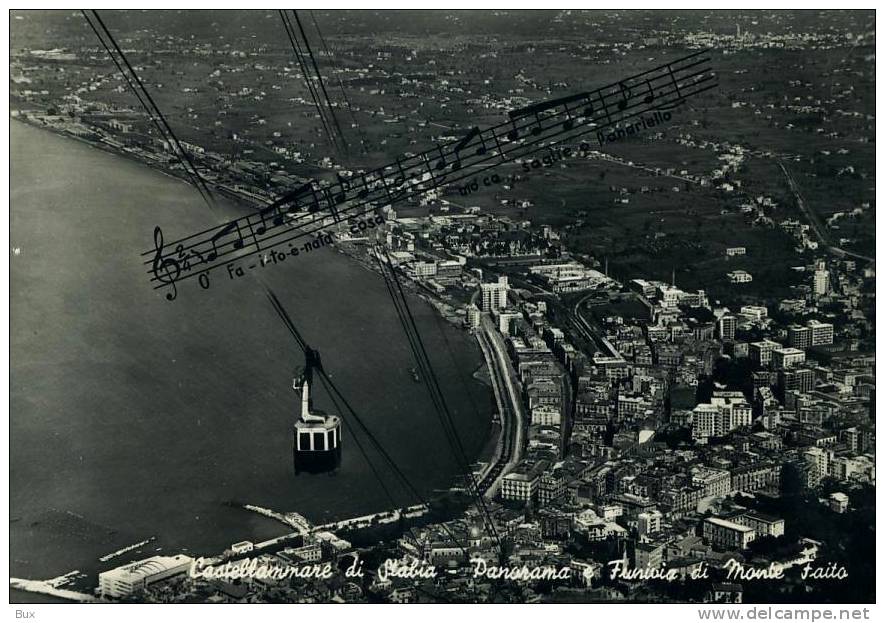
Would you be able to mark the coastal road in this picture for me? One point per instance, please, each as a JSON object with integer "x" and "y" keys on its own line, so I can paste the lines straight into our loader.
{"x": 513, "y": 418}
{"x": 503, "y": 445}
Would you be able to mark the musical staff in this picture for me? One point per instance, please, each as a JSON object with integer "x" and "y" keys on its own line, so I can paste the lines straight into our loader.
{"x": 528, "y": 130}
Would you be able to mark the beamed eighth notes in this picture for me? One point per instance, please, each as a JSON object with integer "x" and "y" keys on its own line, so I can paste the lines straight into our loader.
{"x": 313, "y": 207}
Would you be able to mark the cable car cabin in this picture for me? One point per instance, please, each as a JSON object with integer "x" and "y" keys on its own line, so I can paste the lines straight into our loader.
{"x": 317, "y": 436}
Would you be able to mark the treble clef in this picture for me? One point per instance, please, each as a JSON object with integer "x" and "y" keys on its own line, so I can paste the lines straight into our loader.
{"x": 166, "y": 269}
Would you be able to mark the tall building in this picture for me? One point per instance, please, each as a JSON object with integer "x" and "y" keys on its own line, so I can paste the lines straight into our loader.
{"x": 546, "y": 415}
{"x": 494, "y": 295}
{"x": 424, "y": 270}
{"x": 815, "y": 333}
{"x": 522, "y": 483}
{"x": 818, "y": 460}
{"x": 712, "y": 481}
{"x": 764, "y": 525}
{"x": 649, "y": 522}
{"x": 801, "y": 380}
{"x": 821, "y": 332}
{"x": 821, "y": 282}
{"x": 727, "y": 327}
{"x": 760, "y": 352}
{"x": 707, "y": 421}
{"x": 720, "y": 416}
{"x": 799, "y": 337}
{"x": 473, "y": 316}
{"x": 782, "y": 358}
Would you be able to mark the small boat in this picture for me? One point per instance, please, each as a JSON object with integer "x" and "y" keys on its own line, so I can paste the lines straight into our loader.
{"x": 414, "y": 374}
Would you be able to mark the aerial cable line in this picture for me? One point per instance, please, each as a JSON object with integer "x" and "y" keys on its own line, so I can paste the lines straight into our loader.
{"x": 126, "y": 77}
{"x": 413, "y": 345}
{"x": 302, "y": 65}
{"x": 201, "y": 182}
{"x": 153, "y": 114}
{"x": 330, "y": 55}
{"x": 448, "y": 428}
{"x": 415, "y": 350}
{"x": 433, "y": 377}
{"x": 405, "y": 481}
{"x": 445, "y": 410}
{"x": 319, "y": 77}
{"x": 423, "y": 362}
{"x": 460, "y": 372}
{"x": 369, "y": 462}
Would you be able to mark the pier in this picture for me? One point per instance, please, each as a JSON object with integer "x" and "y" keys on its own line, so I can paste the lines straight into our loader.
{"x": 47, "y": 587}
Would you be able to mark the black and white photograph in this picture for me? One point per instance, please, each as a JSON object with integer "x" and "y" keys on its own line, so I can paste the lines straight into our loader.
{"x": 442, "y": 306}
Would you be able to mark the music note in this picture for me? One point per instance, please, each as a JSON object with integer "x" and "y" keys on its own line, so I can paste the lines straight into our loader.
{"x": 165, "y": 269}
{"x": 441, "y": 163}
{"x": 333, "y": 206}
{"x": 537, "y": 129}
{"x": 398, "y": 183}
{"x": 481, "y": 150}
{"x": 238, "y": 243}
{"x": 436, "y": 178}
{"x": 569, "y": 123}
{"x": 650, "y": 96}
{"x": 464, "y": 142}
{"x": 343, "y": 187}
{"x": 386, "y": 184}
{"x": 679, "y": 99}
{"x": 601, "y": 97}
{"x": 313, "y": 203}
{"x": 363, "y": 192}
{"x": 288, "y": 198}
{"x": 400, "y": 178}
{"x": 513, "y": 134}
{"x": 261, "y": 229}
{"x": 499, "y": 146}
{"x": 675, "y": 84}
{"x": 626, "y": 93}
{"x": 537, "y": 109}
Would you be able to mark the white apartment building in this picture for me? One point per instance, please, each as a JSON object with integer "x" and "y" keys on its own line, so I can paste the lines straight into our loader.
{"x": 760, "y": 352}
{"x": 494, "y": 295}
{"x": 755, "y": 312}
{"x": 727, "y": 534}
{"x": 546, "y": 415}
{"x": 783, "y": 358}
{"x": 821, "y": 332}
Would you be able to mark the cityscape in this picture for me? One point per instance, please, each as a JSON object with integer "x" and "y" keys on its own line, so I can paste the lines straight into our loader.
{"x": 638, "y": 365}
